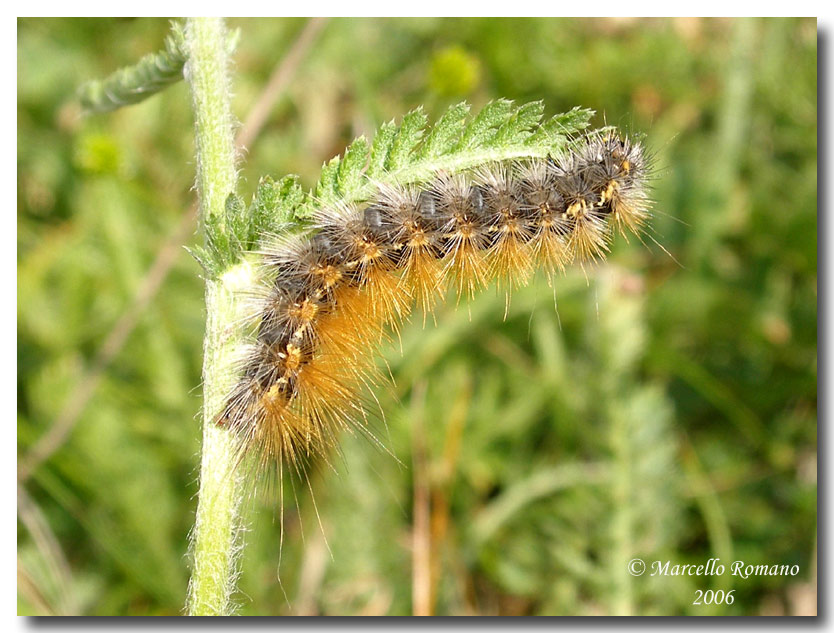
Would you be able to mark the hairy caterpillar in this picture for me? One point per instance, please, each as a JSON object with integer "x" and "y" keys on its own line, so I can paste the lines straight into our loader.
{"x": 328, "y": 293}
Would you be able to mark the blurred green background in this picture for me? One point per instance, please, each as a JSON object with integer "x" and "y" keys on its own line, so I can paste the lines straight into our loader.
{"x": 667, "y": 411}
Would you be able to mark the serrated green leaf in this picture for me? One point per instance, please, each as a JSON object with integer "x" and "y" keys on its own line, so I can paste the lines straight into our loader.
{"x": 276, "y": 203}
{"x": 327, "y": 190}
{"x": 205, "y": 258}
{"x": 446, "y": 133}
{"x": 151, "y": 74}
{"x": 233, "y": 206}
{"x": 237, "y": 220}
{"x": 555, "y": 131}
{"x": 574, "y": 120}
{"x": 213, "y": 226}
{"x": 352, "y": 166}
{"x": 290, "y": 197}
{"x": 408, "y": 154}
{"x": 483, "y": 128}
{"x": 383, "y": 140}
{"x": 519, "y": 127}
{"x": 219, "y": 251}
{"x": 409, "y": 135}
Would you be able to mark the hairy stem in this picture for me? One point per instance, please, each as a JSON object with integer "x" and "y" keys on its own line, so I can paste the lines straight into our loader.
{"x": 217, "y": 524}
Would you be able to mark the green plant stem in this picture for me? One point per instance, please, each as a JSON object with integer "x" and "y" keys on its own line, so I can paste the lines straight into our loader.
{"x": 217, "y": 526}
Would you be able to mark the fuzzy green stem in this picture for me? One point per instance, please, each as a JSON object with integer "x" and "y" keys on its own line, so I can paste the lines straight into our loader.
{"x": 217, "y": 526}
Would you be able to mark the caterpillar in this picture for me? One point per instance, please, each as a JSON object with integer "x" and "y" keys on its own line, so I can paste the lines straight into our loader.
{"x": 329, "y": 293}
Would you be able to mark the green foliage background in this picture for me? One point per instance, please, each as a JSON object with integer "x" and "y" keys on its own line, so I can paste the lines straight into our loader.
{"x": 668, "y": 411}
